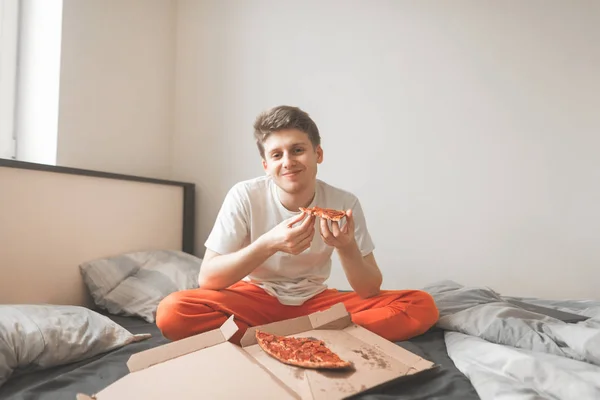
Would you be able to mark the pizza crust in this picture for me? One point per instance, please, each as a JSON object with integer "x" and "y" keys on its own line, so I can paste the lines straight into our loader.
{"x": 300, "y": 352}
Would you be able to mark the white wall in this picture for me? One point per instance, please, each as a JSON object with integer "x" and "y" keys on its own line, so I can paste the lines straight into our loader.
{"x": 117, "y": 86}
{"x": 468, "y": 129}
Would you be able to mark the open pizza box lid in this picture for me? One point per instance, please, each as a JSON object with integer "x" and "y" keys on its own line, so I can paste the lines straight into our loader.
{"x": 209, "y": 366}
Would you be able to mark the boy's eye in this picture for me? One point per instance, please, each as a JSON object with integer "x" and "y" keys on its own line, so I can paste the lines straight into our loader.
{"x": 298, "y": 150}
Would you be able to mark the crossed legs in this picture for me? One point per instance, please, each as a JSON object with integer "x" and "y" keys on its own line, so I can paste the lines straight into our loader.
{"x": 394, "y": 314}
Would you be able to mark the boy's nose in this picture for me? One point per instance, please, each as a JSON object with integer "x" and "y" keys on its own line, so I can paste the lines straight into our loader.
{"x": 287, "y": 161}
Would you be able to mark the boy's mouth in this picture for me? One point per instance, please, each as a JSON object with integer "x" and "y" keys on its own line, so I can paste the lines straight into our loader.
{"x": 293, "y": 173}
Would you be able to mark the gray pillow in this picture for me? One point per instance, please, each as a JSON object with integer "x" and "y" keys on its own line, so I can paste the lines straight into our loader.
{"x": 133, "y": 284}
{"x": 34, "y": 337}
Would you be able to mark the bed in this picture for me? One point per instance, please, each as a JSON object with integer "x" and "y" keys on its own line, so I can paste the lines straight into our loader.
{"x": 100, "y": 250}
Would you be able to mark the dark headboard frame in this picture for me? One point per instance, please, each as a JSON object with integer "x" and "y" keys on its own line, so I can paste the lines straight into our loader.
{"x": 189, "y": 191}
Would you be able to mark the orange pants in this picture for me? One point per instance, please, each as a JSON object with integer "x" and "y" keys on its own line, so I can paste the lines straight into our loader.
{"x": 395, "y": 315}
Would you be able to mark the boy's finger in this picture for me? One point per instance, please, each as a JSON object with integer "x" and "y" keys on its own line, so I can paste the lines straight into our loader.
{"x": 305, "y": 243}
{"x": 295, "y": 219}
{"x": 307, "y": 223}
{"x": 325, "y": 232}
{"x": 309, "y": 233}
{"x": 349, "y": 221}
{"x": 335, "y": 229}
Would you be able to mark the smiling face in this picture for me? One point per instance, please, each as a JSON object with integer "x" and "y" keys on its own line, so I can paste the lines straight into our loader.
{"x": 291, "y": 160}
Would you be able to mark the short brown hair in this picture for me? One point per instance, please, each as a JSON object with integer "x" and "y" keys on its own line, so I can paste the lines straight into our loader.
{"x": 284, "y": 117}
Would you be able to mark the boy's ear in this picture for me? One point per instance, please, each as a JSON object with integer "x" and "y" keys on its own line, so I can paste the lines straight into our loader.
{"x": 264, "y": 164}
{"x": 319, "y": 154}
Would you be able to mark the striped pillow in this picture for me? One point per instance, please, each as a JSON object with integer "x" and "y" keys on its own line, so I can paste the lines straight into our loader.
{"x": 133, "y": 284}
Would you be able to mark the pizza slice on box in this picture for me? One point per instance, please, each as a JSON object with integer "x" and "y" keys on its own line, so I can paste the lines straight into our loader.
{"x": 326, "y": 213}
{"x": 300, "y": 352}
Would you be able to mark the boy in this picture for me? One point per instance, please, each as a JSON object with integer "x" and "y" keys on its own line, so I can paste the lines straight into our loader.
{"x": 266, "y": 261}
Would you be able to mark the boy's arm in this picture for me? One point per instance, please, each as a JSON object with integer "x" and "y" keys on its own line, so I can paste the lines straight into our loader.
{"x": 362, "y": 272}
{"x": 219, "y": 271}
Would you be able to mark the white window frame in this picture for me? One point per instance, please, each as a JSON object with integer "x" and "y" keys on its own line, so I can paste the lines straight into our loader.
{"x": 9, "y": 55}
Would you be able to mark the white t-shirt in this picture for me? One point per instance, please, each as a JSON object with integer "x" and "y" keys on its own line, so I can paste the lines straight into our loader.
{"x": 252, "y": 208}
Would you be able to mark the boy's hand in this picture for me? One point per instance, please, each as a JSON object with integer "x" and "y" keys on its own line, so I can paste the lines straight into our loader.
{"x": 338, "y": 237}
{"x": 292, "y": 239}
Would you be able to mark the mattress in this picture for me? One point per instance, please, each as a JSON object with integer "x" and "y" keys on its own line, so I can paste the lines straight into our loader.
{"x": 94, "y": 374}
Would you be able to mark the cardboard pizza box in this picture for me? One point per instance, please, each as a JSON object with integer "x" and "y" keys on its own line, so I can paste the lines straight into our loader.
{"x": 209, "y": 366}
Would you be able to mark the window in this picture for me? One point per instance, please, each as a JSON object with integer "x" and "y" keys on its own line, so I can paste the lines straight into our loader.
{"x": 9, "y": 39}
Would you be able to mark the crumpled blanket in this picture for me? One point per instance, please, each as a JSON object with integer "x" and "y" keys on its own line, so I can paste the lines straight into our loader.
{"x": 511, "y": 353}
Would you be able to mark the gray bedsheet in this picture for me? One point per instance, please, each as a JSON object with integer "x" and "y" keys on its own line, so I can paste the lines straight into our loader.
{"x": 509, "y": 352}
{"x": 444, "y": 382}
{"x": 63, "y": 383}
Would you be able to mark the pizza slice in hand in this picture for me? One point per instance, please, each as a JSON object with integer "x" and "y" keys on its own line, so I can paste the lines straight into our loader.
{"x": 300, "y": 352}
{"x": 326, "y": 213}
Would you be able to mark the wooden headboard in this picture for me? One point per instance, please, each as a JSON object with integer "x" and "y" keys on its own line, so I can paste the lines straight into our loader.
{"x": 54, "y": 218}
